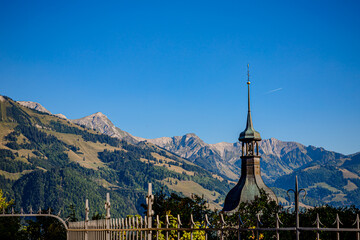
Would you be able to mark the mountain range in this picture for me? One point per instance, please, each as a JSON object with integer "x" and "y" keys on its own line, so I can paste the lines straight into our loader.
{"x": 328, "y": 177}
{"x": 48, "y": 161}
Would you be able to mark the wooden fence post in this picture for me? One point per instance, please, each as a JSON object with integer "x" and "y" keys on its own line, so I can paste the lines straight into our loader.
{"x": 86, "y": 218}
{"x": 107, "y": 217}
{"x": 150, "y": 212}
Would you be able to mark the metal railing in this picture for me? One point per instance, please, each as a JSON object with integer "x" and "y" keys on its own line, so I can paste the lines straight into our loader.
{"x": 39, "y": 213}
{"x": 137, "y": 227}
{"x": 171, "y": 227}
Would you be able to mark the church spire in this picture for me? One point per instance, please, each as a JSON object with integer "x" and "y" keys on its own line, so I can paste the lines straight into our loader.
{"x": 249, "y": 133}
{"x": 250, "y": 183}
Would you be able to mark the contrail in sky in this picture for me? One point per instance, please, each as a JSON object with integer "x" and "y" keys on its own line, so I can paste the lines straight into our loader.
{"x": 275, "y": 90}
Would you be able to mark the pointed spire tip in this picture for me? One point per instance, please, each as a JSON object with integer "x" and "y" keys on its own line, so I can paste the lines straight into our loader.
{"x": 248, "y": 73}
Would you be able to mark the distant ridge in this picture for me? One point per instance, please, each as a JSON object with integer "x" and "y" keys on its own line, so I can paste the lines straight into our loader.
{"x": 329, "y": 177}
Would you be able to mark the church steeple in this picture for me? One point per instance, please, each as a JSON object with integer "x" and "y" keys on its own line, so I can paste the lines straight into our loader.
{"x": 250, "y": 183}
{"x": 249, "y": 134}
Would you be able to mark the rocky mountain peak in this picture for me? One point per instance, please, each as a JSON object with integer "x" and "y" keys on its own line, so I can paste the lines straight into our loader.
{"x": 192, "y": 138}
{"x": 102, "y": 123}
{"x": 99, "y": 114}
{"x": 34, "y": 105}
{"x": 39, "y": 107}
{"x": 99, "y": 122}
{"x": 190, "y": 135}
{"x": 276, "y": 147}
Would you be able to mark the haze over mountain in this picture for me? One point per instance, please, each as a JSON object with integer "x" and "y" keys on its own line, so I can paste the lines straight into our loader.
{"x": 281, "y": 161}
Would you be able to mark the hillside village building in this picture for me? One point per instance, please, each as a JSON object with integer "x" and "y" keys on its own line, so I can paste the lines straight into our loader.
{"x": 250, "y": 182}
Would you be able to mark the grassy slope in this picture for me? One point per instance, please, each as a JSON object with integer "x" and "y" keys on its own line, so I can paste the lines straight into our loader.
{"x": 87, "y": 155}
{"x": 325, "y": 184}
{"x": 190, "y": 187}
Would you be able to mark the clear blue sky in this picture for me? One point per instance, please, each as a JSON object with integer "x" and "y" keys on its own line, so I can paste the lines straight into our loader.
{"x": 165, "y": 68}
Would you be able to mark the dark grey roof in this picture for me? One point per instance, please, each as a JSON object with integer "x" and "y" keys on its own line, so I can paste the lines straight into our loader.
{"x": 249, "y": 133}
{"x": 246, "y": 190}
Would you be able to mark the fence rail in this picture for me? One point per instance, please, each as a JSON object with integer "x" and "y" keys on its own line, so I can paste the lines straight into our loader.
{"x": 136, "y": 227}
{"x": 142, "y": 228}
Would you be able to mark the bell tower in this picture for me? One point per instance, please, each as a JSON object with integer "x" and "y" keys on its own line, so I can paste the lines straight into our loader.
{"x": 250, "y": 182}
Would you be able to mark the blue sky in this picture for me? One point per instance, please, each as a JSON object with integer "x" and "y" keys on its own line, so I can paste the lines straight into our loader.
{"x": 165, "y": 68}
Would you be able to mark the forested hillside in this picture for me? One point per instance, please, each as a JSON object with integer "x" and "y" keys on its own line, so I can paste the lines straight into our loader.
{"x": 336, "y": 183}
{"x": 46, "y": 161}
